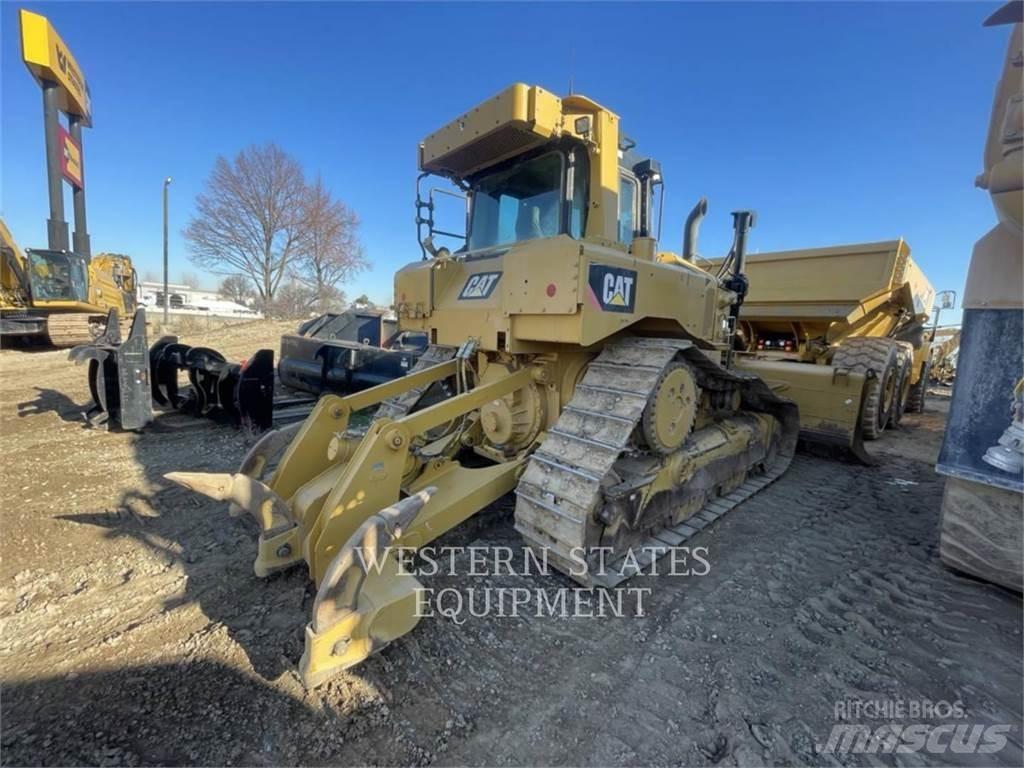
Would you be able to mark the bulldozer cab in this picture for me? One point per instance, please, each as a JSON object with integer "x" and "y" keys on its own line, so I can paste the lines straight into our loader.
{"x": 533, "y": 166}
{"x": 57, "y": 276}
{"x": 545, "y": 194}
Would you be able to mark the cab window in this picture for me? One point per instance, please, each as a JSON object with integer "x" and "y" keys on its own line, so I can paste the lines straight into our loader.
{"x": 520, "y": 203}
{"x": 627, "y": 209}
{"x": 578, "y": 174}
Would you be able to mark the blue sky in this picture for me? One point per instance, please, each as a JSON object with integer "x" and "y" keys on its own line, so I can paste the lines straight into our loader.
{"x": 837, "y": 122}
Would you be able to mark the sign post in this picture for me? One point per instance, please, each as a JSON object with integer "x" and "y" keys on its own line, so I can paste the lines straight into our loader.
{"x": 71, "y": 166}
{"x": 64, "y": 90}
{"x": 56, "y": 227}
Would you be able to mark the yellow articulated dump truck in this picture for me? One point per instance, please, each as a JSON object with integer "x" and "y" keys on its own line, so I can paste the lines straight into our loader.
{"x": 858, "y": 307}
{"x": 570, "y": 362}
{"x": 60, "y": 297}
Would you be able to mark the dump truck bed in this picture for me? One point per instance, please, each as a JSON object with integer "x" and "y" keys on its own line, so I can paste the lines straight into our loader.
{"x": 828, "y": 284}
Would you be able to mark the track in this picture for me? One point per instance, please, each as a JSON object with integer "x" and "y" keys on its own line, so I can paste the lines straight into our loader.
{"x": 566, "y": 479}
{"x": 71, "y": 329}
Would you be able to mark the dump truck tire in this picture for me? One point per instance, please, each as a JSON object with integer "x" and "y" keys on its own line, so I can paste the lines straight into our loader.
{"x": 918, "y": 392}
{"x": 905, "y": 360}
{"x": 878, "y": 355}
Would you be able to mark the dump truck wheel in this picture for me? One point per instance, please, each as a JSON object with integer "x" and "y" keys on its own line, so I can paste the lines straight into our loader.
{"x": 878, "y": 355}
{"x": 918, "y": 392}
{"x": 905, "y": 357}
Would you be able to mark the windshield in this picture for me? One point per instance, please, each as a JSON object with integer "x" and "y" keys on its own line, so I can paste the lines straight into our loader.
{"x": 520, "y": 203}
{"x": 56, "y": 276}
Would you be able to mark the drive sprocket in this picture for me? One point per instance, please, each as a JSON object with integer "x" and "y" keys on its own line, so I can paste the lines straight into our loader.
{"x": 672, "y": 410}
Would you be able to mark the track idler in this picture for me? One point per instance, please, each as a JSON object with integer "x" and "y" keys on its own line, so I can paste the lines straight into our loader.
{"x": 243, "y": 393}
{"x": 119, "y": 375}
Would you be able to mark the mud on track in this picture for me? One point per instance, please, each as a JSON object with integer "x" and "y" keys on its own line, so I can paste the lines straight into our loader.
{"x": 133, "y": 630}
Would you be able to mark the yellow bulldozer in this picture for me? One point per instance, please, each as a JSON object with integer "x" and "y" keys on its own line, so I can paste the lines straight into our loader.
{"x": 570, "y": 361}
{"x": 60, "y": 297}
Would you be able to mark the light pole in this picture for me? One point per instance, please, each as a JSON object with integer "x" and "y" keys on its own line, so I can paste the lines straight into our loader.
{"x": 167, "y": 298}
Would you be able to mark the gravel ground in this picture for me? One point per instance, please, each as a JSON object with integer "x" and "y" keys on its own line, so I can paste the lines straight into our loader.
{"x": 134, "y": 632}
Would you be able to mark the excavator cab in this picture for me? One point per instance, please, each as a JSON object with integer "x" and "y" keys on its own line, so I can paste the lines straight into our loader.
{"x": 57, "y": 276}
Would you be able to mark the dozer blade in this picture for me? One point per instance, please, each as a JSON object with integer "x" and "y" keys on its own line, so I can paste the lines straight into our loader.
{"x": 830, "y": 400}
{"x": 119, "y": 375}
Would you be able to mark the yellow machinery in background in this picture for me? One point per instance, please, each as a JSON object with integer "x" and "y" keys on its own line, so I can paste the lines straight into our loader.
{"x": 862, "y": 307}
{"x": 944, "y": 348}
{"x": 982, "y": 456}
{"x": 58, "y": 296}
{"x": 570, "y": 362}
{"x": 62, "y": 294}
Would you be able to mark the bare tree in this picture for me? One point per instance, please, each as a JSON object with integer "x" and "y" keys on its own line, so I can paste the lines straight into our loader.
{"x": 191, "y": 279}
{"x": 331, "y": 251}
{"x": 237, "y": 288}
{"x": 152, "y": 276}
{"x": 249, "y": 220}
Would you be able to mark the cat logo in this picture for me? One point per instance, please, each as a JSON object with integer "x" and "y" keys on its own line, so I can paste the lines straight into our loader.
{"x": 480, "y": 286}
{"x": 612, "y": 289}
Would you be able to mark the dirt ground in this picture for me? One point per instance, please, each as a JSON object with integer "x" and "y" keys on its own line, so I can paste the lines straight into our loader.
{"x": 134, "y": 632}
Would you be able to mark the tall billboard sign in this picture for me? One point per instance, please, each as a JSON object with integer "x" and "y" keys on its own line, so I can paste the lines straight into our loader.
{"x": 65, "y": 89}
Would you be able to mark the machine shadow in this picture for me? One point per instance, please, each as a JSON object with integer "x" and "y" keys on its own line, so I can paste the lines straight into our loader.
{"x": 216, "y": 552}
{"x": 52, "y": 401}
{"x": 164, "y": 714}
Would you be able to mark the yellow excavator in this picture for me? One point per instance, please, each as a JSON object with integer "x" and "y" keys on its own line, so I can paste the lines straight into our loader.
{"x": 58, "y": 296}
{"x": 570, "y": 361}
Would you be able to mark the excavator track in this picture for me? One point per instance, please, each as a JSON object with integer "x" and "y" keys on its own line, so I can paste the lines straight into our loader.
{"x": 592, "y": 449}
{"x": 405, "y": 403}
{"x": 70, "y": 330}
{"x": 73, "y": 329}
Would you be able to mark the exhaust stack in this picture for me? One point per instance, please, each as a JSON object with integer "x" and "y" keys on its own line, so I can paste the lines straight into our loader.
{"x": 692, "y": 228}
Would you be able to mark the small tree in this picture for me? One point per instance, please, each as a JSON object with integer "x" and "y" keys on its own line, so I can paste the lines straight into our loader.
{"x": 331, "y": 251}
{"x": 293, "y": 300}
{"x": 191, "y": 279}
{"x": 249, "y": 219}
{"x": 237, "y": 288}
